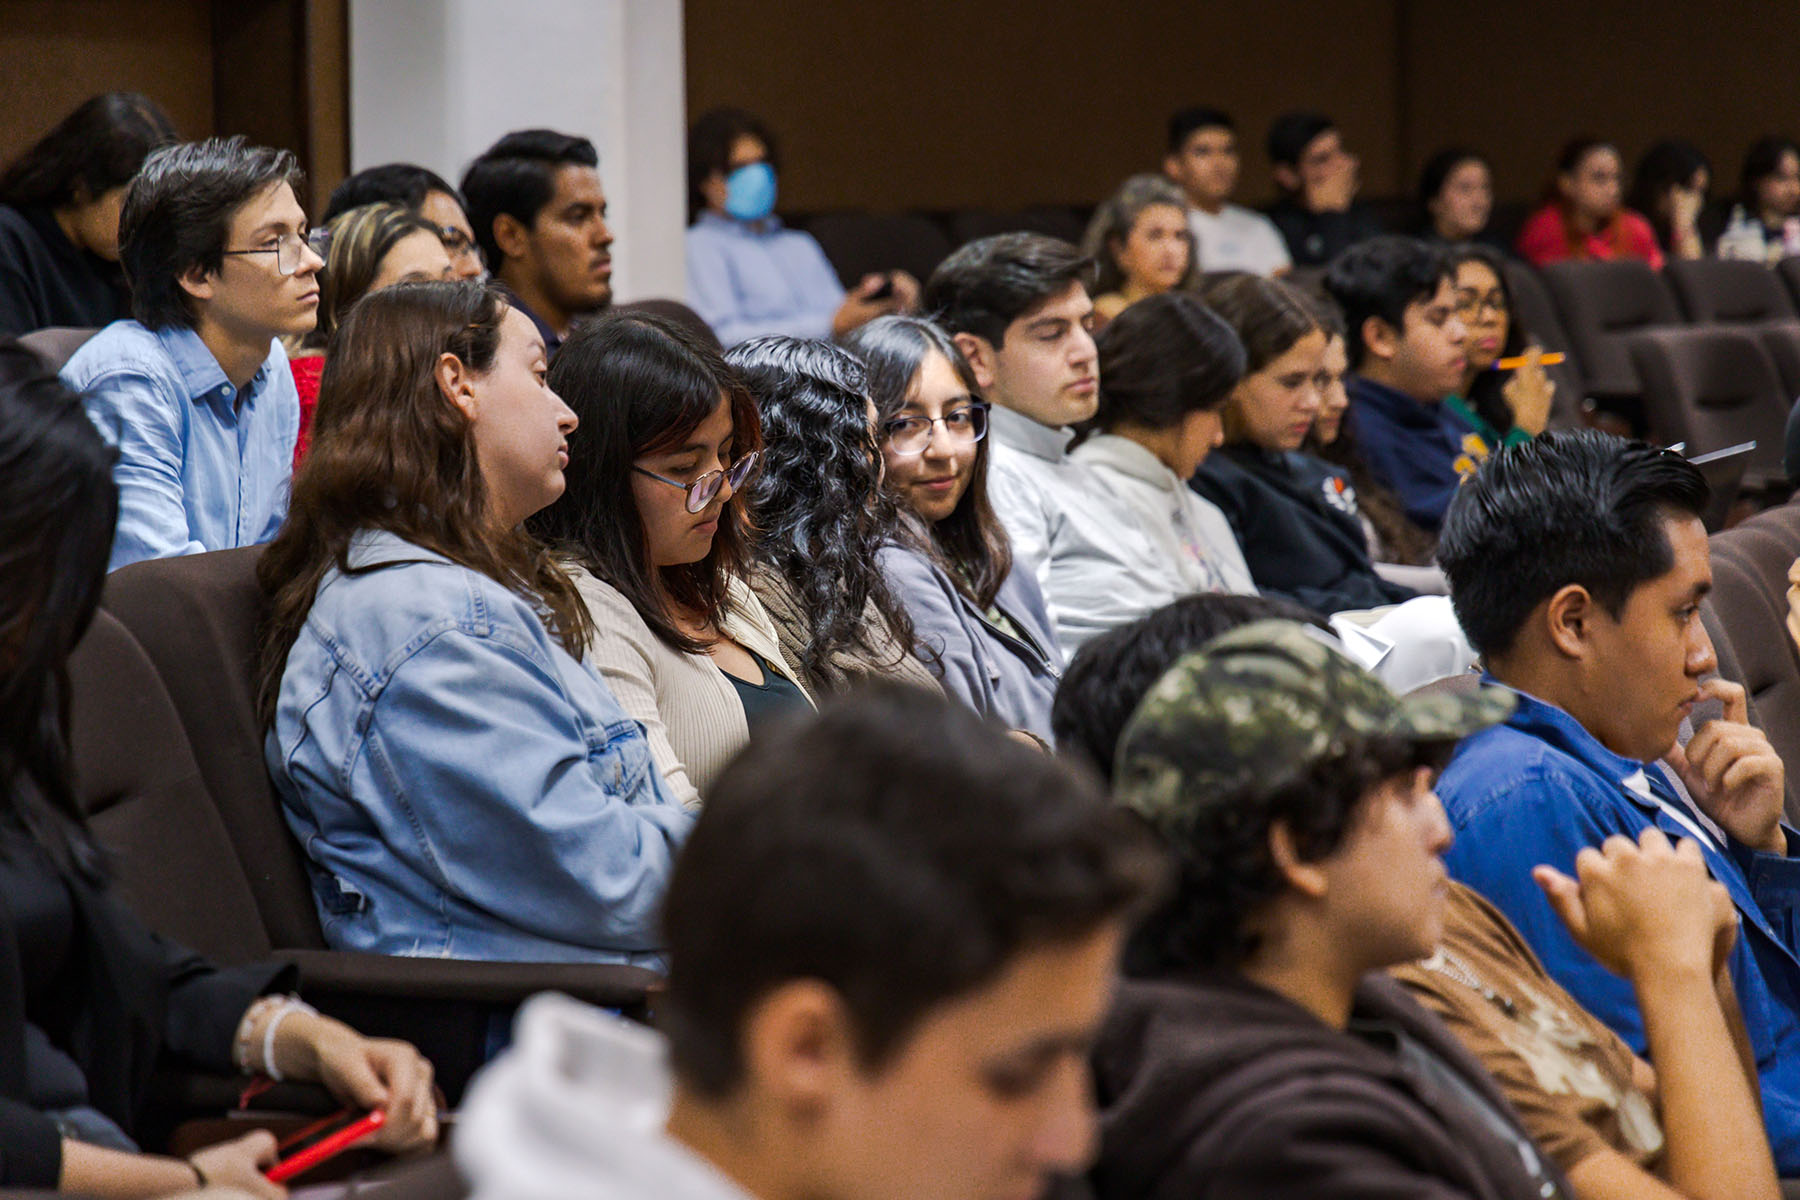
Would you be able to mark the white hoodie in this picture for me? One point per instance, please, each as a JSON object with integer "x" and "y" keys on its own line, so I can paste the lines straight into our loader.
{"x": 575, "y": 1110}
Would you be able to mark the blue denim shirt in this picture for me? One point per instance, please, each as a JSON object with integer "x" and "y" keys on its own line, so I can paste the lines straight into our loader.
{"x": 462, "y": 786}
{"x": 201, "y": 466}
{"x": 1539, "y": 788}
{"x": 748, "y": 280}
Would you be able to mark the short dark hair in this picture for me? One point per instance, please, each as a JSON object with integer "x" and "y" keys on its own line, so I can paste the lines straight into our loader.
{"x": 1566, "y": 507}
{"x": 988, "y": 284}
{"x": 1292, "y": 132}
{"x": 405, "y": 184}
{"x": 1382, "y": 277}
{"x": 640, "y": 383}
{"x": 516, "y": 176}
{"x": 1436, "y": 172}
{"x": 96, "y": 148}
{"x": 178, "y": 213}
{"x": 970, "y": 543}
{"x": 709, "y": 147}
{"x": 894, "y": 850}
{"x": 1162, "y": 358}
{"x": 1189, "y": 121}
{"x": 1109, "y": 675}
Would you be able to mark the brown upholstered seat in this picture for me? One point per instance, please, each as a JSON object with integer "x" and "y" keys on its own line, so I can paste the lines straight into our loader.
{"x": 1533, "y": 309}
{"x": 1748, "y": 621}
{"x": 859, "y": 243}
{"x": 1713, "y": 387}
{"x": 1601, "y": 302}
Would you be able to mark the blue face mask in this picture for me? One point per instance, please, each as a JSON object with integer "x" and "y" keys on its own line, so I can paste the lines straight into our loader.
{"x": 750, "y": 191}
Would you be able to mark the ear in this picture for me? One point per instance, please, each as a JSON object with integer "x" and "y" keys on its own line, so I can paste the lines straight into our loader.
{"x": 1307, "y": 878}
{"x": 1568, "y": 618}
{"x": 1286, "y": 177}
{"x": 198, "y": 282}
{"x": 511, "y": 235}
{"x": 1114, "y": 246}
{"x": 799, "y": 1047}
{"x": 1172, "y": 166}
{"x": 455, "y": 381}
{"x": 1380, "y": 338}
{"x": 981, "y": 355}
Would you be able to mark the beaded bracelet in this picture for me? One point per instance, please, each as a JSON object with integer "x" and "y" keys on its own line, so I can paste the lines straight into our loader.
{"x": 276, "y": 1008}
{"x": 294, "y": 1004}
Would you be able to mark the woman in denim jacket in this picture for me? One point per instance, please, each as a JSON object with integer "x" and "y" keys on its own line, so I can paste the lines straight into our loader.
{"x": 464, "y": 785}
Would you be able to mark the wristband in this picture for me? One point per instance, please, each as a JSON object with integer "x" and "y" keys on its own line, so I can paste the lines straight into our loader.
{"x": 200, "y": 1179}
{"x": 293, "y": 1005}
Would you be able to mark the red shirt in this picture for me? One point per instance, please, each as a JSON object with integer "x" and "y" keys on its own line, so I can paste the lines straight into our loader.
{"x": 1547, "y": 238}
{"x": 307, "y": 369}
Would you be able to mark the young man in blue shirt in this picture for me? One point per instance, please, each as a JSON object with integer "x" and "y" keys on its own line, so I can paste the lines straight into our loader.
{"x": 196, "y": 389}
{"x": 1406, "y": 354}
{"x": 1577, "y": 563}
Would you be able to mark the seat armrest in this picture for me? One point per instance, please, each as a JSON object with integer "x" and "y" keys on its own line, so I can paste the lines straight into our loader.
{"x": 468, "y": 981}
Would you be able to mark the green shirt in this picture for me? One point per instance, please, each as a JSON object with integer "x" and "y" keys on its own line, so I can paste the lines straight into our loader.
{"x": 1493, "y": 437}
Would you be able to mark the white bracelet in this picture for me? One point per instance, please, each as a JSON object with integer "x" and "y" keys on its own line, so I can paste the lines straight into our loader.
{"x": 293, "y": 1005}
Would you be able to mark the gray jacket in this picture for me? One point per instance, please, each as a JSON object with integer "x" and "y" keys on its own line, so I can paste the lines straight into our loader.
{"x": 1011, "y": 679}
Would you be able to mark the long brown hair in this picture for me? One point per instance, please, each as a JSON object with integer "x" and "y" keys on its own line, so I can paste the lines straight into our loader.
{"x": 391, "y": 452}
{"x": 1269, "y": 317}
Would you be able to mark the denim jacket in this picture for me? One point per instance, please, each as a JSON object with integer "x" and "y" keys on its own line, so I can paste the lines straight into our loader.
{"x": 1539, "y": 788}
{"x": 462, "y": 786}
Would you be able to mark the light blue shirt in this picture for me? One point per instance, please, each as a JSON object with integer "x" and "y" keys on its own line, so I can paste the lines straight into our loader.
{"x": 749, "y": 280}
{"x": 463, "y": 788}
{"x": 202, "y": 466}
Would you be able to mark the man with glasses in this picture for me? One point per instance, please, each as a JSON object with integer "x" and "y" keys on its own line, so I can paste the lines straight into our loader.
{"x": 419, "y": 191}
{"x": 196, "y": 391}
{"x": 1405, "y": 338}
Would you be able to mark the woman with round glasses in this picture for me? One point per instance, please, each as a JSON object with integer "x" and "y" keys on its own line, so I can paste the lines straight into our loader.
{"x": 1502, "y": 407}
{"x": 365, "y": 250}
{"x": 653, "y": 529}
{"x": 980, "y": 625}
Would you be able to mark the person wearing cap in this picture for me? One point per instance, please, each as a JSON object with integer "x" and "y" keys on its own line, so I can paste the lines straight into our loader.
{"x": 1256, "y": 1050}
{"x": 1619, "y": 1130}
{"x": 1577, "y": 565}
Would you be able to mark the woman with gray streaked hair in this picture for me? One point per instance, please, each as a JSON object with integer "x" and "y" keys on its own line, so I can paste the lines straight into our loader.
{"x": 1140, "y": 240}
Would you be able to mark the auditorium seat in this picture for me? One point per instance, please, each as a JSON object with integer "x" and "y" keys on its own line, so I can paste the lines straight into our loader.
{"x": 860, "y": 244}
{"x": 1600, "y": 303}
{"x": 191, "y": 623}
{"x": 57, "y": 344}
{"x": 1749, "y": 626}
{"x": 1534, "y": 311}
{"x": 1788, "y": 269}
{"x": 1054, "y": 221}
{"x": 1728, "y": 291}
{"x": 1712, "y": 387}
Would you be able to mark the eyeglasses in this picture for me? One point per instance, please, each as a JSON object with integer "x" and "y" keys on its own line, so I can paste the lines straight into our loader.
{"x": 700, "y": 493}
{"x": 287, "y": 248}
{"x": 907, "y": 436}
{"x": 1470, "y": 306}
{"x": 456, "y": 242}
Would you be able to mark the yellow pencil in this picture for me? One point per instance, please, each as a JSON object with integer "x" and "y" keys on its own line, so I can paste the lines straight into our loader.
{"x": 1508, "y": 364}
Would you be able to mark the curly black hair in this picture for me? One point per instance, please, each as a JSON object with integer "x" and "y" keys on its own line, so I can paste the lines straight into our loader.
{"x": 817, "y": 497}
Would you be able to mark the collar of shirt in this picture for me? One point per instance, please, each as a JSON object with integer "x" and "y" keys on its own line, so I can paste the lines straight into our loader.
{"x": 1019, "y": 432}
{"x": 1128, "y": 458}
{"x": 552, "y": 340}
{"x": 201, "y": 373}
{"x": 1393, "y": 404}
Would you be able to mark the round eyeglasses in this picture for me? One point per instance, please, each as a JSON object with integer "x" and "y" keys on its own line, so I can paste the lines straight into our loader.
{"x": 701, "y": 491}
{"x": 286, "y": 248}
{"x": 907, "y": 436}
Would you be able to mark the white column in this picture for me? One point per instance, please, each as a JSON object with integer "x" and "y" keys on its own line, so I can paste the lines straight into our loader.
{"x": 437, "y": 81}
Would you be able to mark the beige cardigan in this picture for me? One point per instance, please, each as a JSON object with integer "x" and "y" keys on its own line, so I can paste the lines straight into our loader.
{"x": 690, "y": 712}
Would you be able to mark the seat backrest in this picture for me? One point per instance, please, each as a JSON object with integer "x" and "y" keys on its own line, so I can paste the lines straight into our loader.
{"x": 1712, "y": 387}
{"x": 860, "y": 244}
{"x": 1601, "y": 301}
{"x": 679, "y": 313}
{"x": 197, "y": 617}
{"x": 972, "y": 224}
{"x": 1730, "y": 291}
{"x": 56, "y": 344}
{"x": 1749, "y": 599}
{"x": 1788, "y": 271}
{"x": 1781, "y": 341}
{"x": 143, "y": 797}
{"x": 1536, "y": 314}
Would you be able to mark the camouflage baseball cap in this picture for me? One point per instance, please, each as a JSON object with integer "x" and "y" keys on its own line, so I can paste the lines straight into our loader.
{"x": 1260, "y": 706}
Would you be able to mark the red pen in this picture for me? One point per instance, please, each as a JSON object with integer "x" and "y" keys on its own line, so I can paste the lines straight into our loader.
{"x": 326, "y": 1147}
